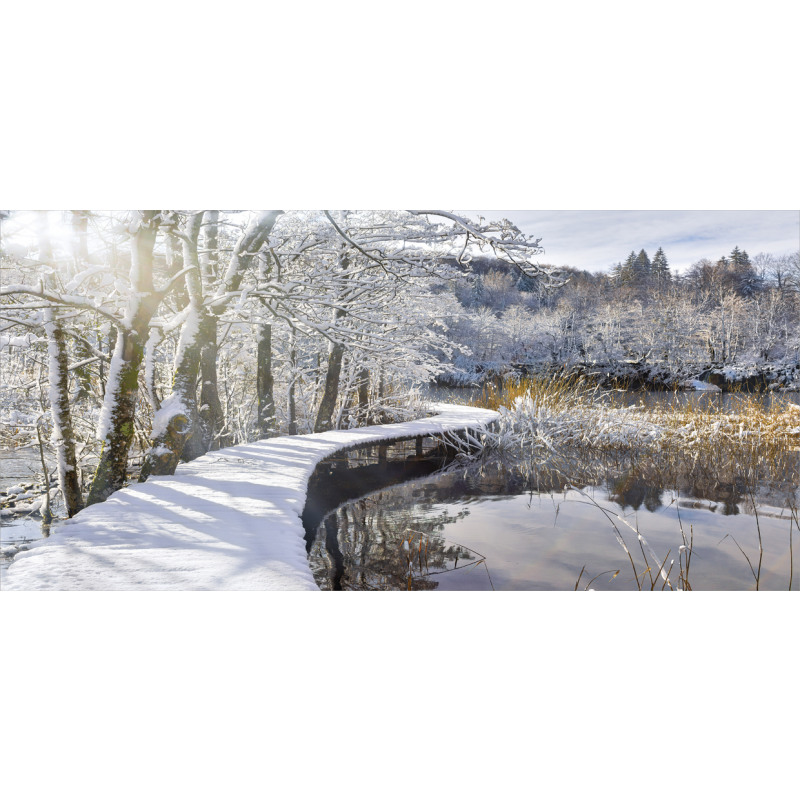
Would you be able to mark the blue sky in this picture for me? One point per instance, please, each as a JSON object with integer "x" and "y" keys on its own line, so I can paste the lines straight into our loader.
{"x": 595, "y": 240}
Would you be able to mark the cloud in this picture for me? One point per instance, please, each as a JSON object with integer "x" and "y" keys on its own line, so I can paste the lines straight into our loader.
{"x": 595, "y": 240}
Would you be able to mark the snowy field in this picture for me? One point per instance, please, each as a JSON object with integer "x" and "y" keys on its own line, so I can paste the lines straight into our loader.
{"x": 228, "y": 520}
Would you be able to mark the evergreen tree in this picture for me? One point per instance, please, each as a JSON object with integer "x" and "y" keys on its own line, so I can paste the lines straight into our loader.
{"x": 739, "y": 258}
{"x": 743, "y": 276}
{"x": 737, "y": 273}
{"x": 627, "y": 272}
{"x": 660, "y": 267}
{"x": 478, "y": 292}
{"x": 642, "y": 267}
{"x": 526, "y": 283}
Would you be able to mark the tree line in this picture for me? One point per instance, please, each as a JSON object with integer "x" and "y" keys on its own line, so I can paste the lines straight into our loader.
{"x": 735, "y": 311}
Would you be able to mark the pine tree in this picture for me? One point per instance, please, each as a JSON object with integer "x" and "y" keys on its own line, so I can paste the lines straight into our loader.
{"x": 743, "y": 276}
{"x": 737, "y": 273}
{"x": 627, "y": 272}
{"x": 526, "y": 283}
{"x": 739, "y": 258}
{"x": 478, "y": 292}
{"x": 642, "y": 267}
{"x": 660, "y": 267}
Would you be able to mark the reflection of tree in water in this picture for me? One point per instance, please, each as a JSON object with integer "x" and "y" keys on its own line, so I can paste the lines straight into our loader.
{"x": 361, "y": 545}
{"x": 634, "y": 492}
{"x": 637, "y": 480}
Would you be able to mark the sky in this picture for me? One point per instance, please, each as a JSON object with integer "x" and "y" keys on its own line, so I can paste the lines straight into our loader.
{"x": 595, "y": 240}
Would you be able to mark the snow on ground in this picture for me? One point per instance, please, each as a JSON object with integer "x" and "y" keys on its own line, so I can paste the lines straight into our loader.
{"x": 228, "y": 520}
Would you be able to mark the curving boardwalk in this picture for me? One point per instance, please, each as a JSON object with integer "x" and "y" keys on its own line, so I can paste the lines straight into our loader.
{"x": 228, "y": 520}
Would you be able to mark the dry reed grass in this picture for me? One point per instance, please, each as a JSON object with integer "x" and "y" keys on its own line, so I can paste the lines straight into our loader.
{"x": 569, "y": 412}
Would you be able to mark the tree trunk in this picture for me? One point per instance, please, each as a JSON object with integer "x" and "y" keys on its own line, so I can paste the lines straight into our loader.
{"x": 175, "y": 262}
{"x": 177, "y": 419}
{"x": 363, "y": 390}
{"x": 119, "y": 405}
{"x": 331, "y": 391}
{"x": 210, "y": 258}
{"x": 150, "y": 369}
{"x": 210, "y": 415}
{"x": 250, "y": 242}
{"x": 292, "y": 382}
{"x": 119, "y": 408}
{"x": 265, "y": 383}
{"x": 58, "y": 367}
{"x": 210, "y": 412}
{"x": 62, "y": 418}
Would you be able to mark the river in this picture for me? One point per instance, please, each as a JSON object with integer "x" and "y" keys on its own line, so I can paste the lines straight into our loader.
{"x": 506, "y": 524}
{"x": 495, "y": 525}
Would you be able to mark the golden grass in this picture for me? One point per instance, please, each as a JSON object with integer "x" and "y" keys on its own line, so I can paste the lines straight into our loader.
{"x": 558, "y": 392}
{"x": 568, "y": 411}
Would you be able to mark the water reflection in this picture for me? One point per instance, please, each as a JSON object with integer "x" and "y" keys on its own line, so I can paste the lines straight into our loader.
{"x": 520, "y": 525}
{"x": 366, "y": 545}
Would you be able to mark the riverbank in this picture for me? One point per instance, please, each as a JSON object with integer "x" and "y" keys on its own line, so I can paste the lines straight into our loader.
{"x": 637, "y": 375}
{"x": 559, "y": 414}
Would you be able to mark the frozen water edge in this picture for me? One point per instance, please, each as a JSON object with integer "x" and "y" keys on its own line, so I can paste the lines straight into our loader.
{"x": 228, "y": 520}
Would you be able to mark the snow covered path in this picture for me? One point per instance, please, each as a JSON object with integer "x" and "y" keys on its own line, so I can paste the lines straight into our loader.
{"x": 228, "y": 520}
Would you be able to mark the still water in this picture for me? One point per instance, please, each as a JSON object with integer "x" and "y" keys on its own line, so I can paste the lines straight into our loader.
{"x": 505, "y": 525}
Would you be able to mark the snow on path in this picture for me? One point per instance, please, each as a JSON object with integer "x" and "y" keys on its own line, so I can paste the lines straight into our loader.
{"x": 228, "y": 520}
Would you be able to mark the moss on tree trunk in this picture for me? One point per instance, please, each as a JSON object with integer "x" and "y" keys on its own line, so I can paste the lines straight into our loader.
{"x": 120, "y": 400}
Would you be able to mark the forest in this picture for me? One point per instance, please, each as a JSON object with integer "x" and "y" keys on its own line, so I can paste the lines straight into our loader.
{"x": 161, "y": 335}
{"x": 166, "y": 334}
{"x": 733, "y": 320}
